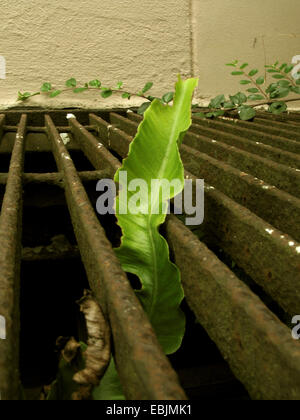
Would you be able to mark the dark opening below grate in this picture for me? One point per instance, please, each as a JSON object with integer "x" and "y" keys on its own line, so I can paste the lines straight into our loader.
{"x": 240, "y": 268}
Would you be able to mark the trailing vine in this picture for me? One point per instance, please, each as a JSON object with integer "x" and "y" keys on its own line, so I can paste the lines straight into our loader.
{"x": 259, "y": 93}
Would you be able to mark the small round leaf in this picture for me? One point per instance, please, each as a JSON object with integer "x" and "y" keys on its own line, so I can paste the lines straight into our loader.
{"x": 46, "y": 87}
{"x": 277, "y": 108}
{"x": 147, "y": 87}
{"x": 217, "y": 102}
{"x": 296, "y": 89}
{"x": 239, "y": 98}
{"x": 284, "y": 83}
{"x": 106, "y": 93}
{"x": 55, "y": 93}
{"x": 246, "y": 113}
{"x": 95, "y": 83}
{"x": 168, "y": 97}
{"x": 260, "y": 80}
{"x": 280, "y": 92}
{"x": 71, "y": 83}
{"x": 126, "y": 95}
{"x": 143, "y": 108}
{"x": 199, "y": 115}
{"x": 229, "y": 105}
{"x": 289, "y": 68}
{"x": 255, "y": 97}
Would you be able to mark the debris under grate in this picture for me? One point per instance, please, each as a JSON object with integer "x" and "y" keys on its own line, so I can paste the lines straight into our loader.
{"x": 240, "y": 268}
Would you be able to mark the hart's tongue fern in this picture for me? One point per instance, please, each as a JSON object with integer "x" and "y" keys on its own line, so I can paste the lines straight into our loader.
{"x": 154, "y": 154}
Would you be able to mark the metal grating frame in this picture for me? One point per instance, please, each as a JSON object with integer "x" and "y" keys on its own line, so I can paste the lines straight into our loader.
{"x": 252, "y": 212}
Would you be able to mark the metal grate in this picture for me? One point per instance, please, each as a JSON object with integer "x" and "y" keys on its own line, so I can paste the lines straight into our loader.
{"x": 240, "y": 269}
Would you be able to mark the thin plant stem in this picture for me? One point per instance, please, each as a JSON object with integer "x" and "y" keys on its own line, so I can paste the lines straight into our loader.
{"x": 269, "y": 102}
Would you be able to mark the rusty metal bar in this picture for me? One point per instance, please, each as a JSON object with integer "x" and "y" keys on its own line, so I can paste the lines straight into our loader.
{"x": 125, "y": 124}
{"x": 56, "y": 178}
{"x": 286, "y": 126}
{"x": 144, "y": 370}
{"x": 266, "y": 254}
{"x": 279, "y": 175}
{"x": 289, "y": 117}
{"x": 232, "y": 134}
{"x": 34, "y": 129}
{"x": 277, "y": 207}
{"x": 273, "y": 157}
{"x": 13, "y": 128}
{"x": 133, "y": 116}
{"x": 35, "y": 142}
{"x": 219, "y": 130}
{"x": 111, "y": 135}
{"x": 283, "y": 177}
{"x": 252, "y": 243}
{"x": 249, "y": 336}
{"x": 102, "y": 128}
{"x": 258, "y": 148}
{"x": 10, "y": 257}
{"x": 274, "y": 128}
{"x": 273, "y": 153}
{"x": 114, "y": 136}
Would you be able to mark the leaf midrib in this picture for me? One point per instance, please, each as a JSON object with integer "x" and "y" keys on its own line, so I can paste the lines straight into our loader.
{"x": 161, "y": 172}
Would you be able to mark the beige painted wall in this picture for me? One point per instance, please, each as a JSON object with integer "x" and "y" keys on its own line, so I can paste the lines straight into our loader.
{"x": 138, "y": 41}
{"x": 130, "y": 40}
{"x": 225, "y": 30}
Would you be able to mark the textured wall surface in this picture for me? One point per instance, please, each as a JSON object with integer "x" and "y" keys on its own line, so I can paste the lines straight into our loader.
{"x": 225, "y": 30}
{"x": 138, "y": 41}
{"x": 130, "y": 40}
